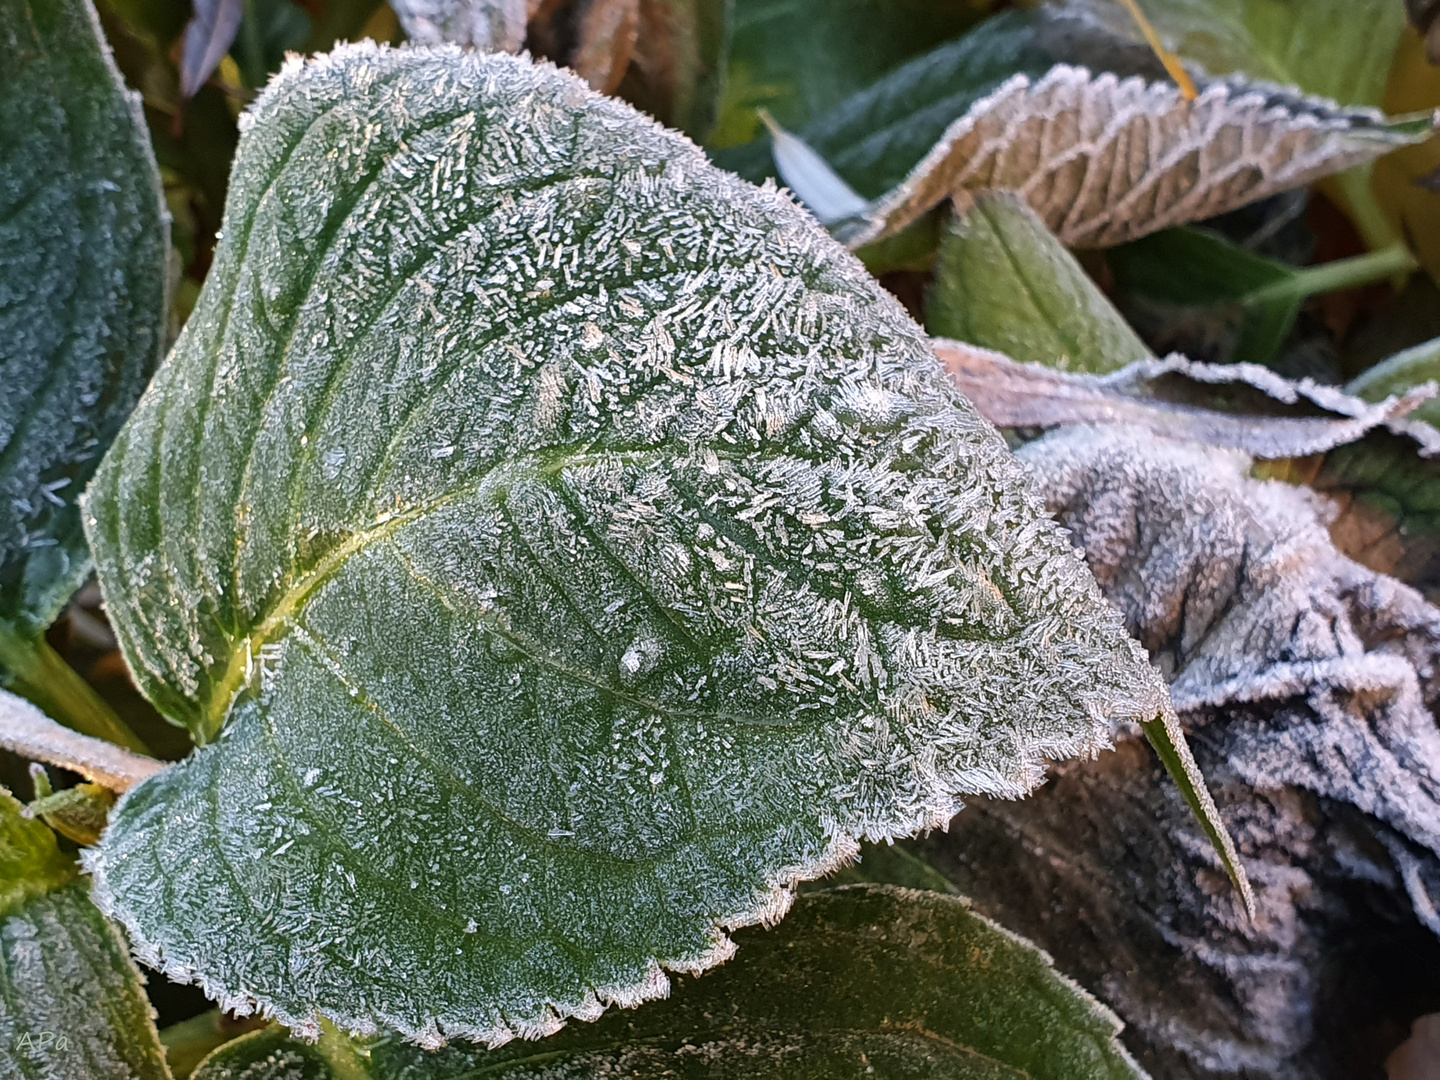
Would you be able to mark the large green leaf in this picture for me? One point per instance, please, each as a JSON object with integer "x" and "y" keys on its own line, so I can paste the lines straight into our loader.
{"x": 1003, "y": 282}
{"x": 83, "y": 240}
{"x": 1337, "y": 49}
{"x": 71, "y": 1003}
{"x": 863, "y": 981}
{"x": 565, "y": 547}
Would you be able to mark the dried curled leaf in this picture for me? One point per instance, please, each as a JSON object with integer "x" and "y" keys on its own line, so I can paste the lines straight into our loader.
{"x": 1235, "y": 406}
{"x": 479, "y": 24}
{"x": 967, "y": 1000}
{"x": 1104, "y": 160}
{"x": 579, "y": 548}
{"x": 1311, "y": 683}
{"x": 1324, "y": 753}
{"x": 607, "y": 34}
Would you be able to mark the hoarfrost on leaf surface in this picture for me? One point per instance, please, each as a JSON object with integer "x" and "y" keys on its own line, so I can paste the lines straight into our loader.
{"x": 564, "y": 547}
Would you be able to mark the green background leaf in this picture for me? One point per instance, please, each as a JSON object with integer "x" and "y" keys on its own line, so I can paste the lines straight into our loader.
{"x": 571, "y": 546}
{"x": 1003, "y": 282}
{"x": 64, "y": 970}
{"x": 82, "y": 290}
{"x": 861, "y": 981}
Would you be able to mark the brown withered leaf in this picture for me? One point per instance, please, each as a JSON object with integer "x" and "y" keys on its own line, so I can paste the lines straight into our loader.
{"x": 1104, "y": 160}
{"x": 608, "y": 29}
{"x": 1238, "y": 406}
{"x": 1309, "y": 684}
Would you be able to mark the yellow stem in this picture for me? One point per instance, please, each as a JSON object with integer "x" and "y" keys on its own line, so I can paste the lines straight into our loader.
{"x": 1169, "y": 59}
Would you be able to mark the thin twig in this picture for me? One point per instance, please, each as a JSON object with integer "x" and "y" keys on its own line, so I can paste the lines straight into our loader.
{"x": 27, "y": 731}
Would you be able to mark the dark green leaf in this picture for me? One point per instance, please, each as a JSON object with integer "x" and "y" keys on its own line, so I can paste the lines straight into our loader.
{"x": 800, "y": 58}
{"x": 71, "y": 1004}
{"x": 270, "y": 29}
{"x": 570, "y": 547}
{"x": 82, "y": 290}
{"x": 863, "y": 982}
{"x": 1194, "y": 273}
{"x": 1003, "y": 282}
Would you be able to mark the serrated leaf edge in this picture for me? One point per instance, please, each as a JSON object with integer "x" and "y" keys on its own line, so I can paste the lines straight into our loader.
{"x": 911, "y": 198}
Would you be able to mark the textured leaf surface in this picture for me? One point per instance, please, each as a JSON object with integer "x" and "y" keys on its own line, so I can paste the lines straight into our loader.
{"x": 576, "y": 547}
{"x": 963, "y": 999}
{"x": 83, "y": 240}
{"x": 1104, "y": 160}
{"x": 64, "y": 970}
{"x": 1004, "y": 282}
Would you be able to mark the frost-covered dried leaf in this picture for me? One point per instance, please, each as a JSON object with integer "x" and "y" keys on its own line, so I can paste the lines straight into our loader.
{"x": 208, "y": 37}
{"x": 71, "y": 1003}
{"x": 1104, "y": 160}
{"x": 1235, "y": 406}
{"x": 83, "y": 242}
{"x": 570, "y": 547}
{"x": 965, "y": 1000}
{"x": 1310, "y": 684}
{"x": 478, "y": 24}
{"x": 607, "y": 33}
{"x": 1004, "y": 282}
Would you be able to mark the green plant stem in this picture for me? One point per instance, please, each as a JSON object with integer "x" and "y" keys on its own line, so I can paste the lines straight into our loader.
{"x": 1382, "y": 265}
{"x": 1374, "y": 227}
{"x": 37, "y": 672}
{"x": 191, "y": 1041}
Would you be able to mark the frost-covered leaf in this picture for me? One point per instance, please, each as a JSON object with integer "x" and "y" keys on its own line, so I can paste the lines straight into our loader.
{"x": 1104, "y": 160}
{"x": 565, "y": 547}
{"x": 963, "y": 999}
{"x": 1004, "y": 282}
{"x": 1310, "y": 682}
{"x": 71, "y": 1003}
{"x": 809, "y": 176}
{"x": 1402, "y": 372}
{"x": 480, "y": 24}
{"x": 1236, "y": 406}
{"x": 83, "y": 240}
